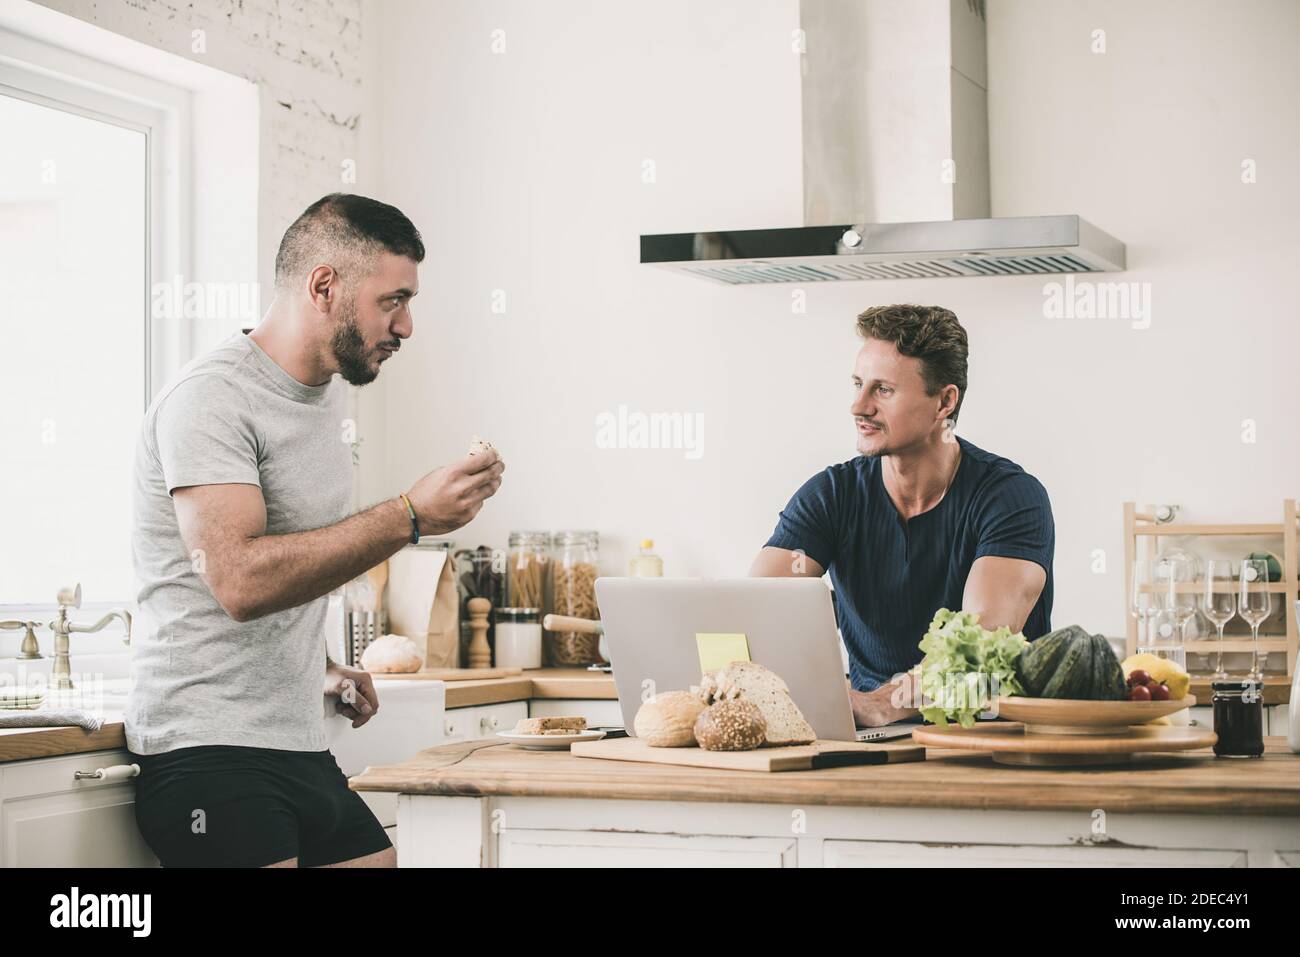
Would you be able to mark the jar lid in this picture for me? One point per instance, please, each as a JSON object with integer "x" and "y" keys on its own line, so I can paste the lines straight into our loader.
{"x": 524, "y": 536}
{"x": 1249, "y": 691}
{"x": 573, "y": 536}
{"x": 526, "y": 615}
{"x": 1230, "y": 684}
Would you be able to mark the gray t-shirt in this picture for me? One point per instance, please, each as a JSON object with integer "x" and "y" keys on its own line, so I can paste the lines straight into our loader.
{"x": 198, "y": 676}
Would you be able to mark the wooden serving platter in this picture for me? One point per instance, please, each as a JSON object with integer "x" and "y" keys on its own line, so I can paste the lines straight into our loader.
{"x": 1010, "y": 744}
{"x": 451, "y": 674}
{"x": 1070, "y": 716}
{"x": 820, "y": 754}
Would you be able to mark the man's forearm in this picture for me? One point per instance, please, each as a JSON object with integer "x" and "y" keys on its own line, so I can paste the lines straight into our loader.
{"x": 284, "y": 571}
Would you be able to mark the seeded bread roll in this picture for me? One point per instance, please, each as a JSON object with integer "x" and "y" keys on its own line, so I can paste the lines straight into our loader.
{"x": 749, "y": 681}
{"x": 550, "y": 725}
{"x": 734, "y": 725}
{"x": 668, "y": 720}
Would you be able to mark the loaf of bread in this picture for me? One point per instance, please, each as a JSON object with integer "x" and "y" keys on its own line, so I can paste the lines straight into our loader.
{"x": 749, "y": 681}
{"x": 556, "y": 725}
{"x": 392, "y": 654}
{"x": 730, "y": 725}
{"x": 668, "y": 719}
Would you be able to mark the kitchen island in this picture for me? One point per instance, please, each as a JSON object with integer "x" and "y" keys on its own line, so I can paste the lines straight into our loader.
{"x": 483, "y": 803}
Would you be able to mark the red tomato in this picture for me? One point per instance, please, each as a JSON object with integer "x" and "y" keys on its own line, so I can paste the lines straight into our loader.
{"x": 1140, "y": 693}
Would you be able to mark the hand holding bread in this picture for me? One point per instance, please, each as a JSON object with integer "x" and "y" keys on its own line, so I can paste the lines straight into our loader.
{"x": 451, "y": 496}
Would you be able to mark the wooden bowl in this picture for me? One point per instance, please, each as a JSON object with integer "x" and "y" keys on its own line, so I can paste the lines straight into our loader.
{"x": 1072, "y": 716}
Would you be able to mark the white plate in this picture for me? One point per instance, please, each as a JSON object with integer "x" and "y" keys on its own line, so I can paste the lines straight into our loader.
{"x": 549, "y": 742}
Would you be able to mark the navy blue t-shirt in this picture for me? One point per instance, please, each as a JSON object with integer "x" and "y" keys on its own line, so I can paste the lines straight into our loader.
{"x": 891, "y": 576}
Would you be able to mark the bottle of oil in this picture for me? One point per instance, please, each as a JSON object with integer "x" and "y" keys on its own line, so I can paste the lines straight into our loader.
{"x": 646, "y": 564}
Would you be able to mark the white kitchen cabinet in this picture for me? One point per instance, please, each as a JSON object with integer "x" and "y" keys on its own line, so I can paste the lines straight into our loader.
{"x": 482, "y": 721}
{"x": 519, "y": 831}
{"x": 600, "y": 713}
{"x": 1279, "y": 719}
{"x": 49, "y": 818}
{"x": 542, "y": 848}
{"x": 908, "y": 854}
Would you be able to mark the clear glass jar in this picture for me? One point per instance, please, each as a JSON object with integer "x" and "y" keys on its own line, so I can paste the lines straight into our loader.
{"x": 519, "y": 638}
{"x": 528, "y": 565}
{"x": 480, "y": 573}
{"x": 574, "y": 569}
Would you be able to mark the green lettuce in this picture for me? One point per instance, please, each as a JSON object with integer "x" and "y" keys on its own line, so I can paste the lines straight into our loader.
{"x": 966, "y": 666}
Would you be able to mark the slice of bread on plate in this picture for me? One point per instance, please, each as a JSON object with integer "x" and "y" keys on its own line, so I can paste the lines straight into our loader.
{"x": 554, "y": 725}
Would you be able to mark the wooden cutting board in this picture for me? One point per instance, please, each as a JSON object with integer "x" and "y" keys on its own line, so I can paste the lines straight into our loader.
{"x": 820, "y": 754}
{"x": 453, "y": 674}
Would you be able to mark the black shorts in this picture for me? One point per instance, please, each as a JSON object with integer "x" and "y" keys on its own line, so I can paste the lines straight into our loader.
{"x": 229, "y": 806}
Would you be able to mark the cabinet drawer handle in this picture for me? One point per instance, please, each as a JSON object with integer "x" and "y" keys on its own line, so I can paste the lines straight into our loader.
{"x": 489, "y": 722}
{"x": 118, "y": 772}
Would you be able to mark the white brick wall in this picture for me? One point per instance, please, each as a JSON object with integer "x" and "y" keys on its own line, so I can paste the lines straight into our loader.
{"x": 304, "y": 56}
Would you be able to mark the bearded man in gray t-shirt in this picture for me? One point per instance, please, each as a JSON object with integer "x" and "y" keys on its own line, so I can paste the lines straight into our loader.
{"x": 243, "y": 485}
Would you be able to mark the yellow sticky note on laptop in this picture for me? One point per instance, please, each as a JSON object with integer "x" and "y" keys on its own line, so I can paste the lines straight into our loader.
{"x": 717, "y": 650}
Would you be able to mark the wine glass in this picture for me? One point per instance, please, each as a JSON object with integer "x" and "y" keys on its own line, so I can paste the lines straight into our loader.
{"x": 1254, "y": 604}
{"x": 1177, "y": 573}
{"x": 1143, "y": 604}
{"x": 1220, "y": 601}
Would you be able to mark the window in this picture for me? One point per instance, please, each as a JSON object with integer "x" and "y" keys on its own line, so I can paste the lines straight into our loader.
{"x": 80, "y": 243}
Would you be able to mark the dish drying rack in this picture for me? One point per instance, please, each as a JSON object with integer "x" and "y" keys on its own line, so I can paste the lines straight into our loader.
{"x": 1141, "y": 529}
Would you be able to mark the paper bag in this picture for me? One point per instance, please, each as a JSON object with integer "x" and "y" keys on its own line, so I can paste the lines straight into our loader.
{"x": 422, "y": 604}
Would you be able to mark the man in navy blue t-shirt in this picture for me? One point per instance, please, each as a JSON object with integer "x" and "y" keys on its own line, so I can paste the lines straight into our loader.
{"x": 921, "y": 520}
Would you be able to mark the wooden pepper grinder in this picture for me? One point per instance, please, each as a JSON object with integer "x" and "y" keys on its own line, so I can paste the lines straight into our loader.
{"x": 480, "y": 652}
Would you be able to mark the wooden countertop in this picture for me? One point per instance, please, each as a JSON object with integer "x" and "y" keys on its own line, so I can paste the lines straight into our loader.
{"x": 534, "y": 683}
{"x": 1276, "y": 691}
{"x": 1190, "y": 782}
{"x": 20, "y": 744}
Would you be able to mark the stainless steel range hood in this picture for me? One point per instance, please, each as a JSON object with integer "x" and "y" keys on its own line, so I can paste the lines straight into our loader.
{"x": 895, "y": 164}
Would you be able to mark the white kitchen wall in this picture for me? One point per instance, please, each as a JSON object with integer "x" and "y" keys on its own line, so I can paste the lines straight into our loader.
{"x": 524, "y": 168}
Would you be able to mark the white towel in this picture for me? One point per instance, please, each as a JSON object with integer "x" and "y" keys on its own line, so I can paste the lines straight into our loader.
{"x": 51, "y": 718}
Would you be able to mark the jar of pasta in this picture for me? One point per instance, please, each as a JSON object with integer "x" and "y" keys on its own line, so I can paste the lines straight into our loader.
{"x": 528, "y": 563}
{"x": 575, "y": 566}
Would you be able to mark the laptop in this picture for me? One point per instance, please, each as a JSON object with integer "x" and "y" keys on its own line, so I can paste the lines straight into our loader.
{"x": 653, "y": 628}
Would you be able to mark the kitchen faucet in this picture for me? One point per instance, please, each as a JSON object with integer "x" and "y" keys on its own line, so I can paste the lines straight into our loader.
{"x": 61, "y": 677}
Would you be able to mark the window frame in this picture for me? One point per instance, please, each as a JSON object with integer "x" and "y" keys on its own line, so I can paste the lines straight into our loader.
{"x": 60, "y": 79}
{"x": 57, "y": 78}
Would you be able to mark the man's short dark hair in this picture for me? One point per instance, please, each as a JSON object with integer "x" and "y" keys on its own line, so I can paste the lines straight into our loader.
{"x": 344, "y": 230}
{"x": 929, "y": 333}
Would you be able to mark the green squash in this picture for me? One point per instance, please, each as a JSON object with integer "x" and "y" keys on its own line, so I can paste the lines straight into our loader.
{"x": 1043, "y": 657}
{"x": 1070, "y": 663}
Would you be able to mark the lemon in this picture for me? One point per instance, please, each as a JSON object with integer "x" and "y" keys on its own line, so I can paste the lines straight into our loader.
{"x": 1160, "y": 670}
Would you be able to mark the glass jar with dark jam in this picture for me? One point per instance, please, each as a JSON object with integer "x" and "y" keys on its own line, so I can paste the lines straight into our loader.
{"x": 1238, "y": 718}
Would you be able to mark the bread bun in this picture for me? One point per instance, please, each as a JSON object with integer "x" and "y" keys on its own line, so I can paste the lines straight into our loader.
{"x": 477, "y": 445}
{"x": 668, "y": 720}
{"x": 732, "y": 725}
{"x": 392, "y": 654}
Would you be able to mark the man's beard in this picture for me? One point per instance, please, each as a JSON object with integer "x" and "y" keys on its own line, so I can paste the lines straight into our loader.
{"x": 350, "y": 349}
